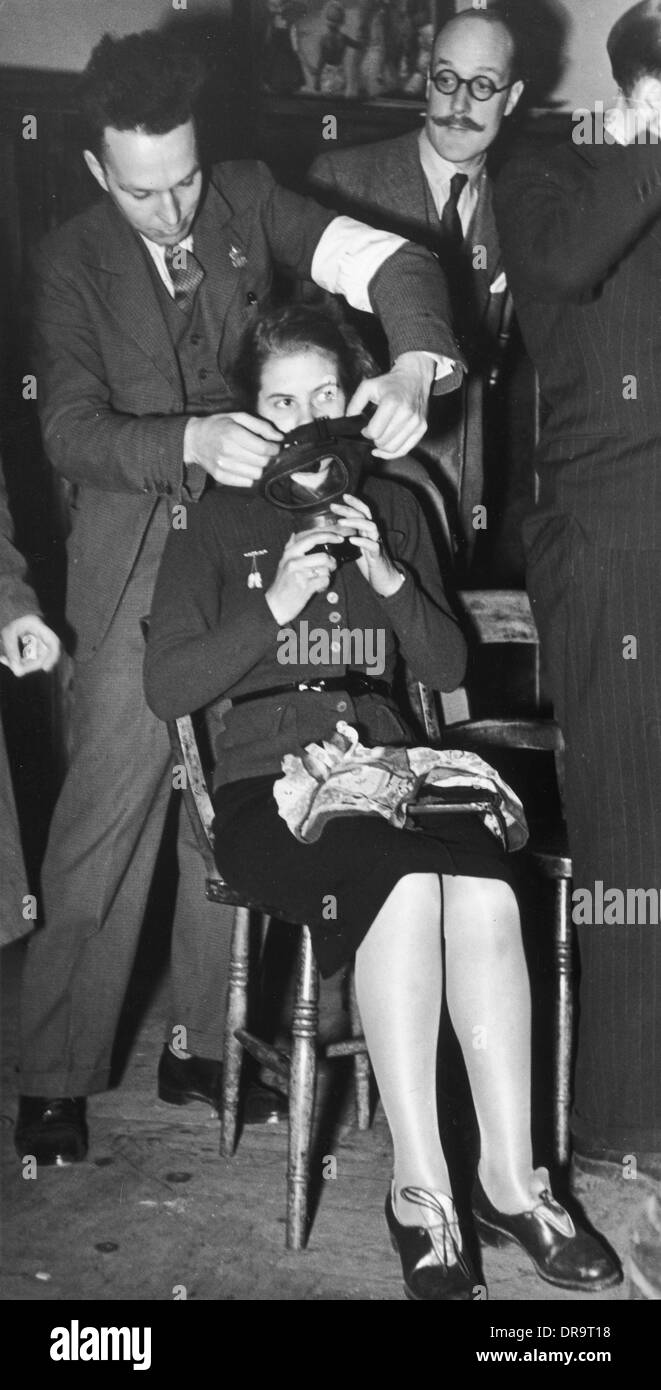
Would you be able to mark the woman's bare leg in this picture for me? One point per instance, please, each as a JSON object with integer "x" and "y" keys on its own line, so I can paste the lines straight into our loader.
{"x": 488, "y": 994}
{"x": 399, "y": 982}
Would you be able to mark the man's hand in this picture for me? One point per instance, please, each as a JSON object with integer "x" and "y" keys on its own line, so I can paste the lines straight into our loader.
{"x": 234, "y": 449}
{"x": 29, "y": 645}
{"x": 402, "y": 400}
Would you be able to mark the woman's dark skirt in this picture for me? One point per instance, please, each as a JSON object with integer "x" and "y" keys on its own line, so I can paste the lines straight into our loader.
{"x": 338, "y": 884}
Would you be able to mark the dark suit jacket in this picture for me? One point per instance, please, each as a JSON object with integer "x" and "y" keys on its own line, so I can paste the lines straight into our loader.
{"x": 110, "y": 391}
{"x": 581, "y": 235}
{"x": 384, "y": 184}
{"x": 16, "y": 600}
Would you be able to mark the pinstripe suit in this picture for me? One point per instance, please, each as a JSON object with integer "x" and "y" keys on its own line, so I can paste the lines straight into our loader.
{"x": 114, "y": 409}
{"x": 581, "y": 234}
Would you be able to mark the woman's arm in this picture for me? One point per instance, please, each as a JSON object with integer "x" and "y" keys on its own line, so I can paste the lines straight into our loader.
{"x": 196, "y": 650}
{"x": 427, "y": 631}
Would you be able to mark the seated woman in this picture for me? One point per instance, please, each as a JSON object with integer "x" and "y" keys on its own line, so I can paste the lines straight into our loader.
{"x": 421, "y": 911}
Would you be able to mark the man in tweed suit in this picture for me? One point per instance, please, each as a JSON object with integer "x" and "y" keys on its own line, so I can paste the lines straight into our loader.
{"x": 140, "y": 307}
{"x": 434, "y": 186}
{"x": 581, "y": 234}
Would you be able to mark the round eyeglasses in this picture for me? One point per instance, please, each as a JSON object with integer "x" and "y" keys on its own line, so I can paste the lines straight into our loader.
{"x": 447, "y": 82}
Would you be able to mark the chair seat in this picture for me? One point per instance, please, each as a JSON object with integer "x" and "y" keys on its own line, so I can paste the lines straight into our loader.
{"x": 218, "y": 891}
{"x": 533, "y": 735}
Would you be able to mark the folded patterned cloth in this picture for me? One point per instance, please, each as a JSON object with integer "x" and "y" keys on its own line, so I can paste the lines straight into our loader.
{"x": 340, "y": 777}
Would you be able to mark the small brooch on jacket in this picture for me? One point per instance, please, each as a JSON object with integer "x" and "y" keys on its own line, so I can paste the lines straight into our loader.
{"x": 254, "y": 580}
{"x": 238, "y": 257}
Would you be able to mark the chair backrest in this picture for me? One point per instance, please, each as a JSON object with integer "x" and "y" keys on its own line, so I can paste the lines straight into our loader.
{"x": 495, "y": 617}
{"x": 197, "y": 799}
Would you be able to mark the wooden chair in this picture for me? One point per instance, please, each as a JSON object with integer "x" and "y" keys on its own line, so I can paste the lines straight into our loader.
{"x": 296, "y": 1069}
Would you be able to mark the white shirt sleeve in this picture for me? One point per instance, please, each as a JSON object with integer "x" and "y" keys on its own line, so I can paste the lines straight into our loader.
{"x": 347, "y": 257}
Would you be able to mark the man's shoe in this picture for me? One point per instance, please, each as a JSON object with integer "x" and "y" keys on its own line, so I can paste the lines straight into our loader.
{"x": 561, "y": 1255}
{"x": 183, "y": 1079}
{"x": 434, "y": 1265}
{"x": 53, "y": 1131}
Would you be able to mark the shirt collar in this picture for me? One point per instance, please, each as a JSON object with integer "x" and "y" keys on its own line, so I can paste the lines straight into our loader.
{"x": 440, "y": 171}
{"x": 158, "y": 251}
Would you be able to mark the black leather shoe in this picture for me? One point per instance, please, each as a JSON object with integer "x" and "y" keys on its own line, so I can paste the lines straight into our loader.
{"x": 434, "y": 1265}
{"x": 183, "y": 1079}
{"x": 561, "y": 1255}
{"x": 54, "y": 1131}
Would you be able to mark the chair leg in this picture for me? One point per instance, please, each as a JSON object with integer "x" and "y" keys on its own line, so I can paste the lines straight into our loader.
{"x": 302, "y": 1087}
{"x": 564, "y": 1018}
{"x": 237, "y": 1015}
{"x": 361, "y": 1064}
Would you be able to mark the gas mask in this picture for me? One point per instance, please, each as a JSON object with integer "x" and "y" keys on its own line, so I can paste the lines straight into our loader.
{"x": 333, "y": 449}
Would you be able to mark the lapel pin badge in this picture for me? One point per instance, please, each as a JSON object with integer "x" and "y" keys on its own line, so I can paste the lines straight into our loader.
{"x": 238, "y": 257}
{"x": 254, "y": 580}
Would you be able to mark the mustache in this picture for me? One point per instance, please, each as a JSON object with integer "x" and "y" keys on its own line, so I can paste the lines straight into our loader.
{"x": 464, "y": 122}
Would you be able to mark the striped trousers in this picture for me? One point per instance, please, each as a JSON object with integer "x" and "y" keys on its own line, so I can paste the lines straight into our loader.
{"x": 598, "y": 612}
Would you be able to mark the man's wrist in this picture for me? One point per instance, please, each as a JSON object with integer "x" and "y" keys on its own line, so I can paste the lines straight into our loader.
{"x": 424, "y": 364}
{"x": 190, "y": 440}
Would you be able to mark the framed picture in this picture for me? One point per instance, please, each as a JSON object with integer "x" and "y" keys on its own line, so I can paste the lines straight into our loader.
{"x": 357, "y": 50}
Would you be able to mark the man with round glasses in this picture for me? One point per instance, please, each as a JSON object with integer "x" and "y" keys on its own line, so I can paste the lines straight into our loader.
{"x": 433, "y": 186}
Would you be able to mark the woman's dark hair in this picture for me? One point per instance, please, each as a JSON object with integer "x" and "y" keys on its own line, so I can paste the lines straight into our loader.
{"x": 634, "y": 44}
{"x": 148, "y": 81}
{"x": 297, "y": 328}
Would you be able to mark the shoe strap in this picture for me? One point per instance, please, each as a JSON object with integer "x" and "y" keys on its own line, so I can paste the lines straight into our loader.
{"x": 444, "y": 1233}
{"x": 554, "y": 1214}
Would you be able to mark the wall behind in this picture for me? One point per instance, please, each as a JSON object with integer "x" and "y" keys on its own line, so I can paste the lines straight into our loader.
{"x": 61, "y": 33}
{"x": 587, "y": 76}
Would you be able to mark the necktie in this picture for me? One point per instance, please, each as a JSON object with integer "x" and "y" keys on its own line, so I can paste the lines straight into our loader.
{"x": 450, "y": 220}
{"x": 186, "y": 275}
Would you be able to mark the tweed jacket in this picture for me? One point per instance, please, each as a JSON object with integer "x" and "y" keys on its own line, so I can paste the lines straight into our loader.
{"x": 110, "y": 390}
{"x": 580, "y": 227}
{"x": 384, "y": 183}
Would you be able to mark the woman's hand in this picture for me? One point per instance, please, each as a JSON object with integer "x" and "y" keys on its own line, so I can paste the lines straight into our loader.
{"x": 355, "y": 521}
{"x": 300, "y": 574}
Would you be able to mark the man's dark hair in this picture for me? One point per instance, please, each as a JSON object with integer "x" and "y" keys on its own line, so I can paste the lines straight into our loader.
{"x": 282, "y": 332}
{"x": 634, "y": 44}
{"x": 144, "y": 81}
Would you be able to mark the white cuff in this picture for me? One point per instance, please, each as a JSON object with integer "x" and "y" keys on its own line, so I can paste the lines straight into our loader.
{"x": 444, "y": 365}
{"x": 347, "y": 257}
